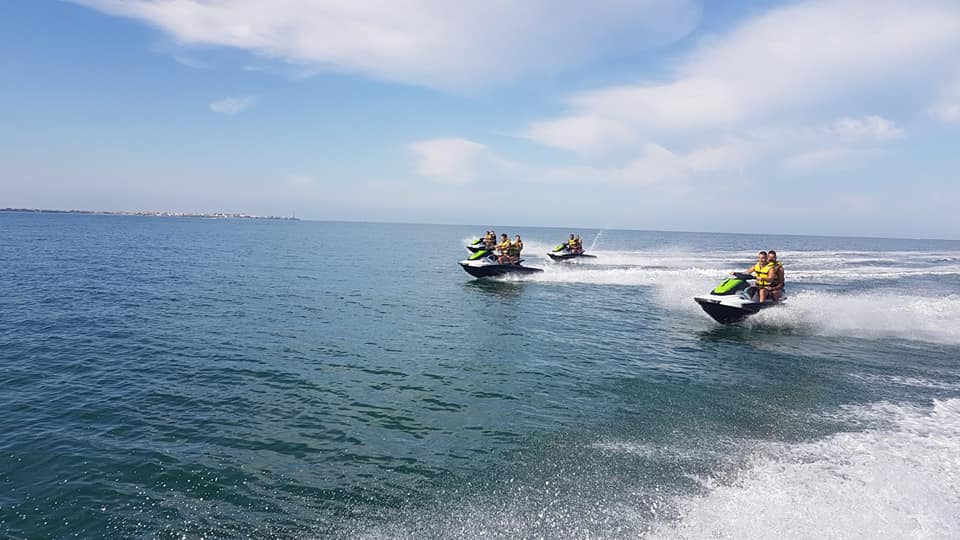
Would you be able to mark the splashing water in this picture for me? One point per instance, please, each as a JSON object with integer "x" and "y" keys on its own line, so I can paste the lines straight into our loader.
{"x": 902, "y": 481}
{"x": 825, "y": 295}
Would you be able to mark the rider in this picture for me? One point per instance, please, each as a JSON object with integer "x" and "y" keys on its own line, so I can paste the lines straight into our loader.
{"x": 761, "y": 270}
{"x": 513, "y": 252}
{"x": 503, "y": 247}
{"x": 776, "y": 278}
{"x": 571, "y": 243}
{"x": 490, "y": 240}
{"x": 579, "y": 244}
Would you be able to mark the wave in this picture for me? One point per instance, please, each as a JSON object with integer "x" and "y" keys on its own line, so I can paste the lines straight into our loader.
{"x": 897, "y": 476}
{"x": 902, "y": 481}
{"x": 823, "y": 267}
{"x": 676, "y": 276}
{"x": 870, "y": 315}
{"x": 819, "y": 268}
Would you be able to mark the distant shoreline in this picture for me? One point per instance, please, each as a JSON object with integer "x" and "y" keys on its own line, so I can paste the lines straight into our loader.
{"x": 207, "y": 215}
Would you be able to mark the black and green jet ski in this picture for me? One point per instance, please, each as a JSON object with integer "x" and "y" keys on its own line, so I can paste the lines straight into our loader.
{"x": 563, "y": 253}
{"x": 484, "y": 263}
{"x": 476, "y": 245}
{"x": 734, "y": 300}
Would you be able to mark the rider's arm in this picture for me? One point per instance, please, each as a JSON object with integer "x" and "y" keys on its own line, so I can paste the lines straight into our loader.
{"x": 781, "y": 279}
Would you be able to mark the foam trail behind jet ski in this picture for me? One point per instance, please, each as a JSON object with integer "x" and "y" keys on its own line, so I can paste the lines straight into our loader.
{"x": 676, "y": 275}
{"x": 895, "y": 481}
{"x": 871, "y": 315}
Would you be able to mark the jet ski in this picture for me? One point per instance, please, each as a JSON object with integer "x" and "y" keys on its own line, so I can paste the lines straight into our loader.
{"x": 476, "y": 245}
{"x": 734, "y": 300}
{"x": 563, "y": 253}
{"x": 484, "y": 263}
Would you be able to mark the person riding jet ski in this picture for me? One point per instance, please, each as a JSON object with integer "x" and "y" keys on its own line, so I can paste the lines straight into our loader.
{"x": 769, "y": 275}
{"x": 736, "y": 299}
{"x": 777, "y": 279}
{"x": 503, "y": 247}
{"x": 486, "y": 263}
{"x": 488, "y": 242}
{"x": 513, "y": 251}
{"x": 571, "y": 249}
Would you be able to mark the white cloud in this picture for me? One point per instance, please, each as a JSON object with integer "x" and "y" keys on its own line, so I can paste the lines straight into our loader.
{"x": 869, "y": 127}
{"x": 584, "y": 134}
{"x": 453, "y": 160}
{"x": 946, "y": 112}
{"x": 829, "y": 157}
{"x": 232, "y": 105}
{"x": 719, "y": 158}
{"x": 790, "y": 59}
{"x": 947, "y": 109}
{"x": 655, "y": 166}
{"x": 436, "y": 43}
{"x": 459, "y": 161}
{"x": 816, "y": 159}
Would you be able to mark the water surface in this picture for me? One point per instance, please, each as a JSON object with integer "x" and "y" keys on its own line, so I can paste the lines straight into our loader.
{"x": 230, "y": 378}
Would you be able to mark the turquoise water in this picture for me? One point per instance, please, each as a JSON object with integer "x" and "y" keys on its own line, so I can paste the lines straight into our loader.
{"x": 170, "y": 378}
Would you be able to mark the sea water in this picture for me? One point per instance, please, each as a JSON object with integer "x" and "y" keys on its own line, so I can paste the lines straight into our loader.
{"x": 171, "y": 378}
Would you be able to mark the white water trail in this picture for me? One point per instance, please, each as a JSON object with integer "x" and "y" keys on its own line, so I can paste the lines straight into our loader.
{"x": 898, "y": 476}
{"x": 675, "y": 276}
{"x": 901, "y": 481}
{"x": 871, "y": 315}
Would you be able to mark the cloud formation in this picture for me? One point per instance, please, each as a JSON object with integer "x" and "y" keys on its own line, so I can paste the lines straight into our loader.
{"x": 434, "y": 43}
{"x": 232, "y": 105}
{"x": 452, "y": 160}
{"x": 787, "y": 60}
{"x": 947, "y": 108}
{"x": 823, "y": 157}
{"x": 870, "y": 127}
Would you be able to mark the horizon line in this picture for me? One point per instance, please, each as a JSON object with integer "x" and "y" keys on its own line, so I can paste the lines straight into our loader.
{"x": 186, "y": 214}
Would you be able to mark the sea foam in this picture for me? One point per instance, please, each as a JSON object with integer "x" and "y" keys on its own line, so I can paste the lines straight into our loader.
{"x": 898, "y": 476}
{"x": 901, "y": 481}
{"x": 845, "y": 309}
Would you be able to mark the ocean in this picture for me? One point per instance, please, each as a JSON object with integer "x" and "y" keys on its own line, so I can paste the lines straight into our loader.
{"x": 201, "y": 378}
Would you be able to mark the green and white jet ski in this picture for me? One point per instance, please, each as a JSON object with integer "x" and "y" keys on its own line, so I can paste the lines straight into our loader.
{"x": 484, "y": 263}
{"x": 563, "y": 253}
{"x": 734, "y": 300}
{"x": 476, "y": 245}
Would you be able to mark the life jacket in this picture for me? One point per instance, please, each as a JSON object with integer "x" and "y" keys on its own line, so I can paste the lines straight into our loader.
{"x": 763, "y": 274}
{"x": 504, "y": 246}
{"x": 774, "y": 274}
{"x": 515, "y": 249}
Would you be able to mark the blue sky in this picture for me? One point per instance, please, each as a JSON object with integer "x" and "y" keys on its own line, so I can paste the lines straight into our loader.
{"x": 819, "y": 117}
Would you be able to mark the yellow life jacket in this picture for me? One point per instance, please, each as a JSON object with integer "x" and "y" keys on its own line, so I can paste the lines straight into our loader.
{"x": 763, "y": 274}
{"x": 504, "y": 246}
{"x": 774, "y": 275}
{"x": 515, "y": 249}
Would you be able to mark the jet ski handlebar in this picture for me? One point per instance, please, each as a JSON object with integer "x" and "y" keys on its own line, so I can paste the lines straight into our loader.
{"x": 741, "y": 275}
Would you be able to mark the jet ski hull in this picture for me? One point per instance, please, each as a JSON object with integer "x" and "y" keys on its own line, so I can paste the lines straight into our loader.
{"x": 494, "y": 270}
{"x": 725, "y": 311}
{"x": 561, "y": 256}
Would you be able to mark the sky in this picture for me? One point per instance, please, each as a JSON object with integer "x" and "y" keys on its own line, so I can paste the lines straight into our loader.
{"x": 835, "y": 117}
